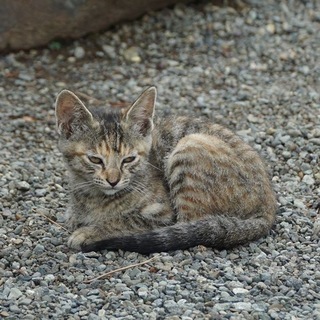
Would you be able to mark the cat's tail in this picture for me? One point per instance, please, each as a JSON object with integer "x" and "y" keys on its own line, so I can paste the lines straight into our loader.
{"x": 219, "y": 232}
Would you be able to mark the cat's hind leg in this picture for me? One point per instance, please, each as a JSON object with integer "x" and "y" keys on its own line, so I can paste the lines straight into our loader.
{"x": 201, "y": 177}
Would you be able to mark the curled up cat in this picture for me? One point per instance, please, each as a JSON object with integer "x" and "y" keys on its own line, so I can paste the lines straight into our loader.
{"x": 147, "y": 184}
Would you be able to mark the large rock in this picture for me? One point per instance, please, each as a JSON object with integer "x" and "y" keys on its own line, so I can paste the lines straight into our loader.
{"x": 26, "y": 24}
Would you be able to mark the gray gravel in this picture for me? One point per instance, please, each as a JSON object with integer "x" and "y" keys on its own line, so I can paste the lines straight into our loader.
{"x": 253, "y": 68}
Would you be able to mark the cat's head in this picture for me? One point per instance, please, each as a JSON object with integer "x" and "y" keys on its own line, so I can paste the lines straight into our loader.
{"x": 104, "y": 149}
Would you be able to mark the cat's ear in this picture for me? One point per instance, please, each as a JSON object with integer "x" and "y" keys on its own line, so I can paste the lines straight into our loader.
{"x": 140, "y": 115}
{"x": 71, "y": 114}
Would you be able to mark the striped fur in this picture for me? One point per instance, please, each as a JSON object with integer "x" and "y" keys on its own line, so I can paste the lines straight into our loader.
{"x": 148, "y": 185}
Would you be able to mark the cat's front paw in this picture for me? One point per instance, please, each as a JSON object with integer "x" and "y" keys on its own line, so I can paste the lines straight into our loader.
{"x": 82, "y": 236}
{"x": 71, "y": 220}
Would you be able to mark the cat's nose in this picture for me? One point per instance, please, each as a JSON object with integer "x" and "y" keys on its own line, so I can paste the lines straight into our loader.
{"x": 113, "y": 177}
{"x": 113, "y": 183}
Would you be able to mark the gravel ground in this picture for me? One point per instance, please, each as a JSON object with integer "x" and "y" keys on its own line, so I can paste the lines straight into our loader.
{"x": 253, "y": 68}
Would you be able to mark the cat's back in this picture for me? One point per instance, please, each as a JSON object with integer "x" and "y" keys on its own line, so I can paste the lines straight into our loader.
{"x": 169, "y": 130}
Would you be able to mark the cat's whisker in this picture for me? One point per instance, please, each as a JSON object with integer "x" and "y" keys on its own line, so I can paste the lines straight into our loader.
{"x": 137, "y": 190}
{"x": 136, "y": 182}
{"x": 77, "y": 188}
{"x": 140, "y": 185}
{"x": 136, "y": 187}
{"x": 150, "y": 164}
{"x": 82, "y": 186}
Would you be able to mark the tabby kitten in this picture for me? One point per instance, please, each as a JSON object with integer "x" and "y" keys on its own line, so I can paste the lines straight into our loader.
{"x": 148, "y": 185}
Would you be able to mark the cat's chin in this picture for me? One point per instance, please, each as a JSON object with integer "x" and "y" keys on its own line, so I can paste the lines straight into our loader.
{"x": 111, "y": 192}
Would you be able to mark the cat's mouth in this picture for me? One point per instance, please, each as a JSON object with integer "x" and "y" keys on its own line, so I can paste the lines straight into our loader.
{"x": 110, "y": 191}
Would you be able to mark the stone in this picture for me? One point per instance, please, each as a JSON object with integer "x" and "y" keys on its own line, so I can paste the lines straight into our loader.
{"x": 22, "y": 185}
{"x": 14, "y": 308}
{"x": 271, "y": 28}
{"x": 25, "y": 302}
{"x": 38, "y": 249}
{"x": 20, "y": 28}
{"x": 109, "y": 51}
{"x": 143, "y": 292}
{"x": 170, "y": 305}
{"x": 299, "y": 204}
{"x": 49, "y": 277}
{"x": 132, "y": 54}
{"x": 14, "y": 294}
{"x": 222, "y": 306}
{"x": 308, "y": 179}
{"x": 243, "y": 306}
{"x": 240, "y": 291}
{"x": 253, "y": 119}
{"x": 40, "y": 192}
{"x": 79, "y": 52}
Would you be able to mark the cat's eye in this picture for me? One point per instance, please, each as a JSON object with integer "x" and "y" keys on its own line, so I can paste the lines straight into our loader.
{"x": 95, "y": 160}
{"x": 128, "y": 159}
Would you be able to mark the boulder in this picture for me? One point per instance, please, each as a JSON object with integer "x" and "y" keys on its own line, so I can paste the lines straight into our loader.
{"x": 27, "y": 24}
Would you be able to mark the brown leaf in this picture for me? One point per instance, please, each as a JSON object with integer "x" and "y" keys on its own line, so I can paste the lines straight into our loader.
{"x": 153, "y": 269}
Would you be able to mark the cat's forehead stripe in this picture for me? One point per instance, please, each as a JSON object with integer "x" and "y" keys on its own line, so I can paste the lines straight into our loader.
{"x": 103, "y": 148}
{"x": 112, "y": 133}
{"x": 111, "y": 143}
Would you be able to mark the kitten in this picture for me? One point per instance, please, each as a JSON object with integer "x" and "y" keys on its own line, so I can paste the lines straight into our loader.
{"x": 148, "y": 185}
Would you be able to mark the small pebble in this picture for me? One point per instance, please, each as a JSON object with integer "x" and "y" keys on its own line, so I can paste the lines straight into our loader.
{"x": 23, "y": 185}
{"x": 39, "y": 248}
{"x": 79, "y": 52}
{"x": 14, "y": 294}
{"x": 132, "y": 54}
{"x": 109, "y": 51}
